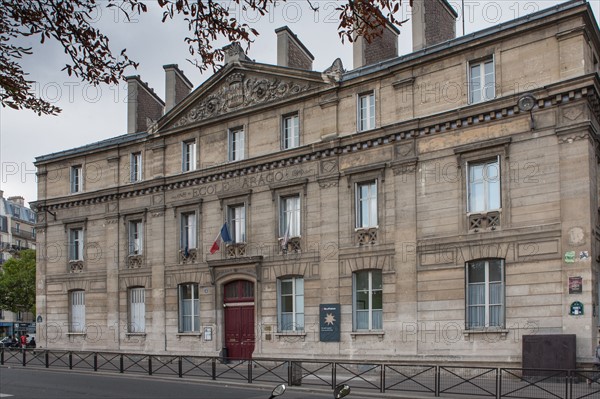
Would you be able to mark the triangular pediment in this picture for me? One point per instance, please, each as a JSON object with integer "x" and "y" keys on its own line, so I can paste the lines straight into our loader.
{"x": 240, "y": 87}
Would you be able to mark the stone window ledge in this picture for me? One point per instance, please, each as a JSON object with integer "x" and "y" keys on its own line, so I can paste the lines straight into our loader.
{"x": 81, "y": 334}
{"x": 189, "y": 334}
{"x": 290, "y": 334}
{"x": 502, "y": 332}
{"x": 379, "y": 334}
{"x": 140, "y": 334}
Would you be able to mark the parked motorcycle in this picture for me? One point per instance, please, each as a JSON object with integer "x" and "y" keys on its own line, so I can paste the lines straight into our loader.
{"x": 277, "y": 391}
{"x": 339, "y": 392}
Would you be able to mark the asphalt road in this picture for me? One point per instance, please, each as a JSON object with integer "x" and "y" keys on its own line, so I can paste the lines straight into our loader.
{"x": 23, "y": 383}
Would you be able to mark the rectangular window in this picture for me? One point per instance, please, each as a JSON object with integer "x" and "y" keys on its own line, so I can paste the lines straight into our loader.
{"x": 137, "y": 310}
{"x": 290, "y": 304}
{"x": 189, "y": 320}
{"x": 1, "y": 314}
{"x": 18, "y": 227}
{"x": 236, "y": 145}
{"x": 188, "y": 156}
{"x": 188, "y": 231}
{"x": 237, "y": 223}
{"x": 291, "y": 131}
{"x": 76, "y": 244}
{"x": 485, "y": 294}
{"x": 19, "y": 316}
{"x": 77, "y": 322}
{"x": 136, "y": 166}
{"x": 4, "y": 224}
{"x": 368, "y": 300}
{"x": 482, "y": 81}
{"x": 16, "y": 211}
{"x": 484, "y": 186}
{"x": 366, "y": 205}
{"x": 135, "y": 237}
{"x": 76, "y": 179}
{"x": 366, "y": 111}
{"x": 290, "y": 216}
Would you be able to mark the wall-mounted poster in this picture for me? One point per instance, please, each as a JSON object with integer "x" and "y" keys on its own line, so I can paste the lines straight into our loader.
{"x": 575, "y": 285}
{"x": 330, "y": 322}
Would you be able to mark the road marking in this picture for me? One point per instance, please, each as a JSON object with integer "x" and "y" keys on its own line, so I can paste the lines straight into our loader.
{"x": 5, "y": 395}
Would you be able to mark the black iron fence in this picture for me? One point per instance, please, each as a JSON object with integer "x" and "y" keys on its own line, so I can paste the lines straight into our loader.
{"x": 434, "y": 380}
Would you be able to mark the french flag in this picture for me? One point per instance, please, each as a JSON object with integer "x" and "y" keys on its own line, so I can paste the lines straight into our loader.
{"x": 224, "y": 236}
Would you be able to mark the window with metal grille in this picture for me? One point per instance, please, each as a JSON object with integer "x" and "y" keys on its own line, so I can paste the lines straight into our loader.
{"x": 77, "y": 316}
{"x": 137, "y": 310}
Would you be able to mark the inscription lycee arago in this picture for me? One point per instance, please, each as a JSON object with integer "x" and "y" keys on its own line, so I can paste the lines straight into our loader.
{"x": 242, "y": 183}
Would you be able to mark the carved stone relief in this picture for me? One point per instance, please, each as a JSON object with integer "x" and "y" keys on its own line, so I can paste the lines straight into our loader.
{"x": 239, "y": 91}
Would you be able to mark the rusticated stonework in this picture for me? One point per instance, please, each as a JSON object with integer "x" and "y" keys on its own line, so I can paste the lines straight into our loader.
{"x": 240, "y": 92}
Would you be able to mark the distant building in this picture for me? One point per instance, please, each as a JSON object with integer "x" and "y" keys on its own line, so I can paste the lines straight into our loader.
{"x": 17, "y": 232}
{"x": 436, "y": 206}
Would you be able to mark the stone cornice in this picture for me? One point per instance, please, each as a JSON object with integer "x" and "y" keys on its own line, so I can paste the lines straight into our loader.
{"x": 499, "y": 109}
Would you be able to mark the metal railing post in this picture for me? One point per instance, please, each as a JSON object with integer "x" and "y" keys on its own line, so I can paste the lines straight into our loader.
{"x": 569, "y": 384}
{"x": 382, "y": 379}
{"x": 47, "y": 358}
{"x": 249, "y": 371}
{"x": 290, "y": 372}
{"x": 499, "y": 384}
{"x": 150, "y": 365}
{"x": 214, "y": 368}
{"x": 24, "y": 357}
{"x": 333, "y": 375}
{"x": 70, "y": 360}
{"x": 95, "y": 361}
{"x": 1, "y": 356}
{"x": 121, "y": 368}
{"x": 437, "y": 380}
{"x": 180, "y": 366}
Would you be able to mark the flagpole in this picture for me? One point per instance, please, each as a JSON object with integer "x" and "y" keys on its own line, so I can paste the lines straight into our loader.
{"x": 463, "y": 15}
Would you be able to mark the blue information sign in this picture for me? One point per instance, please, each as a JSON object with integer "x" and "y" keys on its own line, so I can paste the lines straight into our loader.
{"x": 329, "y": 322}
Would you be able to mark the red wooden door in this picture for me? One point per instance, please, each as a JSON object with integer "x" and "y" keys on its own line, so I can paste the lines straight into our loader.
{"x": 239, "y": 319}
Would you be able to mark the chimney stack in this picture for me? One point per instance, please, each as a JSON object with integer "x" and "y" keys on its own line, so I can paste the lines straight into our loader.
{"x": 381, "y": 48}
{"x": 17, "y": 200}
{"x": 291, "y": 52}
{"x": 177, "y": 86}
{"x": 143, "y": 105}
{"x": 433, "y": 22}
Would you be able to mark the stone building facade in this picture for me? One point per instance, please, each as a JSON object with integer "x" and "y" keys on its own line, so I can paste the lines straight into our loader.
{"x": 435, "y": 206}
{"x": 17, "y": 233}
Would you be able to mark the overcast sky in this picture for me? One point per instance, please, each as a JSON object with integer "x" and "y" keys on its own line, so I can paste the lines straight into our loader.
{"x": 91, "y": 113}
